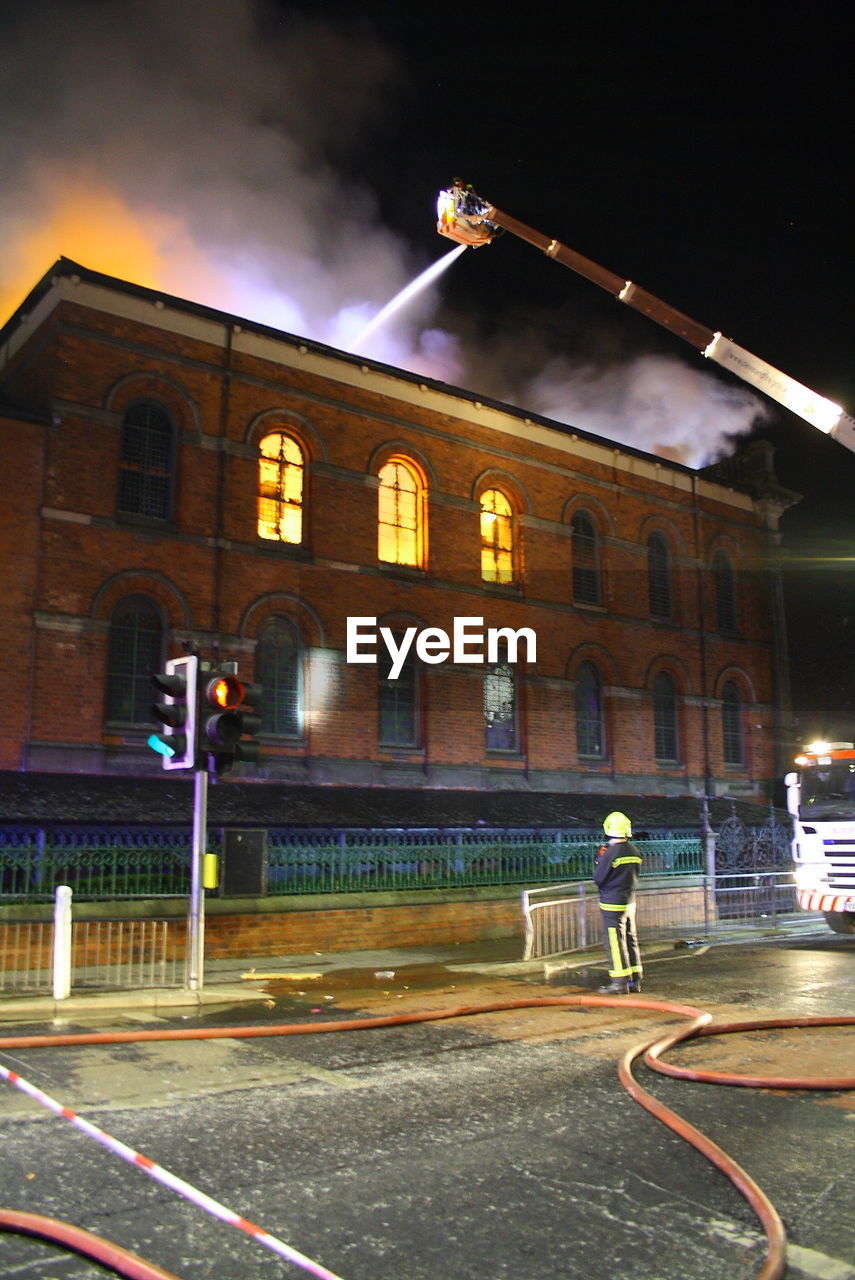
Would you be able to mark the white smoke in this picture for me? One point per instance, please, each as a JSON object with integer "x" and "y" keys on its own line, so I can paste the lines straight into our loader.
{"x": 220, "y": 139}
{"x": 205, "y": 141}
{"x": 653, "y": 402}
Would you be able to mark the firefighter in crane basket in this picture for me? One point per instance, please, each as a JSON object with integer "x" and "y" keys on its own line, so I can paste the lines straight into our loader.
{"x": 616, "y": 871}
{"x": 461, "y": 215}
{"x": 465, "y": 198}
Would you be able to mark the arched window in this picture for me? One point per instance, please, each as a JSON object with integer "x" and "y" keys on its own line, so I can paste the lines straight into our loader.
{"x": 725, "y": 592}
{"x": 280, "y": 489}
{"x": 667, "y": 745}
{"x": 590, "y": 724}
{"x": 659, "y": 577}
{"x": 501, "y": 709}
{"x": 146, "y": 461}
{"x": 586, "y": 568}
{"x": 497, "y": 537}
{"x": 397, "y": 701}
{"x": 400, "y": 514}
{"x": 134, "y": 652}
{"x": 279, "y": 671}
{"x": 731, "y": 723}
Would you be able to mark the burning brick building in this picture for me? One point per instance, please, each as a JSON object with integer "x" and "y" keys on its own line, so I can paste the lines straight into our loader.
{"x": 180, "y": 480}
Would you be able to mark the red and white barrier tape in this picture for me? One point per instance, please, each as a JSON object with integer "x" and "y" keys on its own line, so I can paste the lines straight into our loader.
{"x": 170, "y": 1180}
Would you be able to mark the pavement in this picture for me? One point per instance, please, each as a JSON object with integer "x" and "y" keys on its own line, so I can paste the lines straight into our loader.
{"x": 247, "y": 979}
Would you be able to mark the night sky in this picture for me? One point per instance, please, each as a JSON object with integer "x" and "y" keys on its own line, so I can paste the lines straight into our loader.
{"x": 281, "y": 160}
{"x": 702, "y": 151}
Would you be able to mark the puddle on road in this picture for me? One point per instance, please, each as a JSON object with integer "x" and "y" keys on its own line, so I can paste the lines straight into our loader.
{"x": 351, "y": 989}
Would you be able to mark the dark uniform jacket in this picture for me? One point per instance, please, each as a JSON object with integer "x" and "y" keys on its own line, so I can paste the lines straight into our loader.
{"x": 616, "y": 873}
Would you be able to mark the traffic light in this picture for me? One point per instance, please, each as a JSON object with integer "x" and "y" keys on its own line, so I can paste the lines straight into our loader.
{"x": 176, "y": 743}
{"x": 250, "y": 719}
{"x": 226, "y": 716}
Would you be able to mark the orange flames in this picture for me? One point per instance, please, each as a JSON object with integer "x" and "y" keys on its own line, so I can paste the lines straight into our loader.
{"x": 89, "y": 223}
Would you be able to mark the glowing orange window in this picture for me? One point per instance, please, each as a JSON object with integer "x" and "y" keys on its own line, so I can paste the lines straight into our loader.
{"x": 280, "y": 489}
{"x": 400, "y": 514}
{"x": 497, "y": 537}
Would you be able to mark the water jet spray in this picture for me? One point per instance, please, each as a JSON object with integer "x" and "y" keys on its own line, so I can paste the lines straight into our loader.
{"x": 401, "y": 299}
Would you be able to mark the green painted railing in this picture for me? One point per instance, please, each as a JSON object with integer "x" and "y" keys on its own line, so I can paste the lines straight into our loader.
{"x": 109, "y": 863}
{"x": 365, "y": 860}
{"x": 95, "y": 864}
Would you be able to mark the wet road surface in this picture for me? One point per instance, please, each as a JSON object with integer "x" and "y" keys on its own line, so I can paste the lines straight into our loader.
{"x": 496, "y": 1146}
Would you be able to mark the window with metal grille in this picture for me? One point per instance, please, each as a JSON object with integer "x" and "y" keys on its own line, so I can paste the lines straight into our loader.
{"x": 586, "y": 568}
{"x": 665, "y": 719}
{"x": 400, "y": 514}
{"x": 497, "y": 537}
{"x": 731, "y": 720}
{"x": 659, "y": 576}
{"x": 501, "y": 707}
{"x": 280, "y": 489}
{"x": 279, "y": 668}
{"x": 146, "y": 461}
{"x": 590, "y": 731}
{"x": 134, "y": 654}
{"x": 398, "y": 701}
{"x": 725, "y": 592}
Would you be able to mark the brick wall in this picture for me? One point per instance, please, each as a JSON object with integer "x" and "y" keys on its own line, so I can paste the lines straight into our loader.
{"x": 22, "y": 472}
{"x": 361, "y": 928}
{"x": 215, "y": 582}
{"x": 236, "y": 934}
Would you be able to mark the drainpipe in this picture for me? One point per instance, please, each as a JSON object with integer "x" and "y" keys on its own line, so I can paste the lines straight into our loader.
{"x": 771, "y": 500}
{"x": 708, "y": 842}
{"x": 780, "y": 651}
{"x": 702, "y": 642}
{"x": 26, "y": 738}
{"x": 225, "y": 399}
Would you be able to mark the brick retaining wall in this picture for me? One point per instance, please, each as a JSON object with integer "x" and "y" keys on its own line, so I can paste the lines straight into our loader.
{"x": 361, "y": 928}
{"x": 266, "y": 927}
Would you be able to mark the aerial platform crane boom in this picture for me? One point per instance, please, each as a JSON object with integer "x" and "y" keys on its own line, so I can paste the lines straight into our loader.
{"x": 465, "y": 217}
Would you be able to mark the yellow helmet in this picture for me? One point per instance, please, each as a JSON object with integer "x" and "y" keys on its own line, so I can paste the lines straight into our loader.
{"x": 618, "y": 824}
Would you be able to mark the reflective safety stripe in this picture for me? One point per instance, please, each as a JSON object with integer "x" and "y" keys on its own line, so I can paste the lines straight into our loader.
{"x": 617, "y": 970}
{"x": 613, "y": 906}
{"x": 620, "y": 862}
{"x": 815, "y": 900}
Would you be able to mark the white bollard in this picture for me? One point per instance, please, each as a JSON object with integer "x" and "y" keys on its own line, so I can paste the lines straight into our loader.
{"x": 62, "y": 943}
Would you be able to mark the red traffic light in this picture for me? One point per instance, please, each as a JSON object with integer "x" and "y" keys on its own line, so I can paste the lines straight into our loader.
{"x": 225, "y": 718}
{"x": 225, "y": 692}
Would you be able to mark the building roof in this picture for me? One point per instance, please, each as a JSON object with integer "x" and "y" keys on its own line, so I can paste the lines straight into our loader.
{"x": 71, "y": 280}
{"x": 81, "y": 799}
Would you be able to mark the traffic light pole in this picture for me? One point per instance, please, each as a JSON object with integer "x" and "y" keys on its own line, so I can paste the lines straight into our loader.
{"x": 196, "y": 918}
{"x": 211, "y": 719}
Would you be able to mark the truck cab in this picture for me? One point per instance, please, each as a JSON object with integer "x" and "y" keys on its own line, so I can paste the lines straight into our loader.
{"x": 821, "y": 799}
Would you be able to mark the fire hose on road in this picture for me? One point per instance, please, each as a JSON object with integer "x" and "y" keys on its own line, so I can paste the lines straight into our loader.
{"x": 696, "y": 1024}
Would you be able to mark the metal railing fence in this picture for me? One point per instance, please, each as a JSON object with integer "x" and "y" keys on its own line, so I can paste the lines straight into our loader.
{"x": 120, "y": 954}
{"x": 305, "y": 862}
{"x": 104, "y": 864}
{"x": 25, "y": 955}
{"x": 760, "y": 896}
{"x": 127, "y": 954}
{"x": 565, "y": 917}
{"x": 96, "y": 863}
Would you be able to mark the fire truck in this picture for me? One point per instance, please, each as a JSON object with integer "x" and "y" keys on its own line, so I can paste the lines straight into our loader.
{"x": 821, "y": 799}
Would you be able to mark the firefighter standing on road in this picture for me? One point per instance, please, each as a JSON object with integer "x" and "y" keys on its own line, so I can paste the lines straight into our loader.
{"x": 616, "y": 871}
